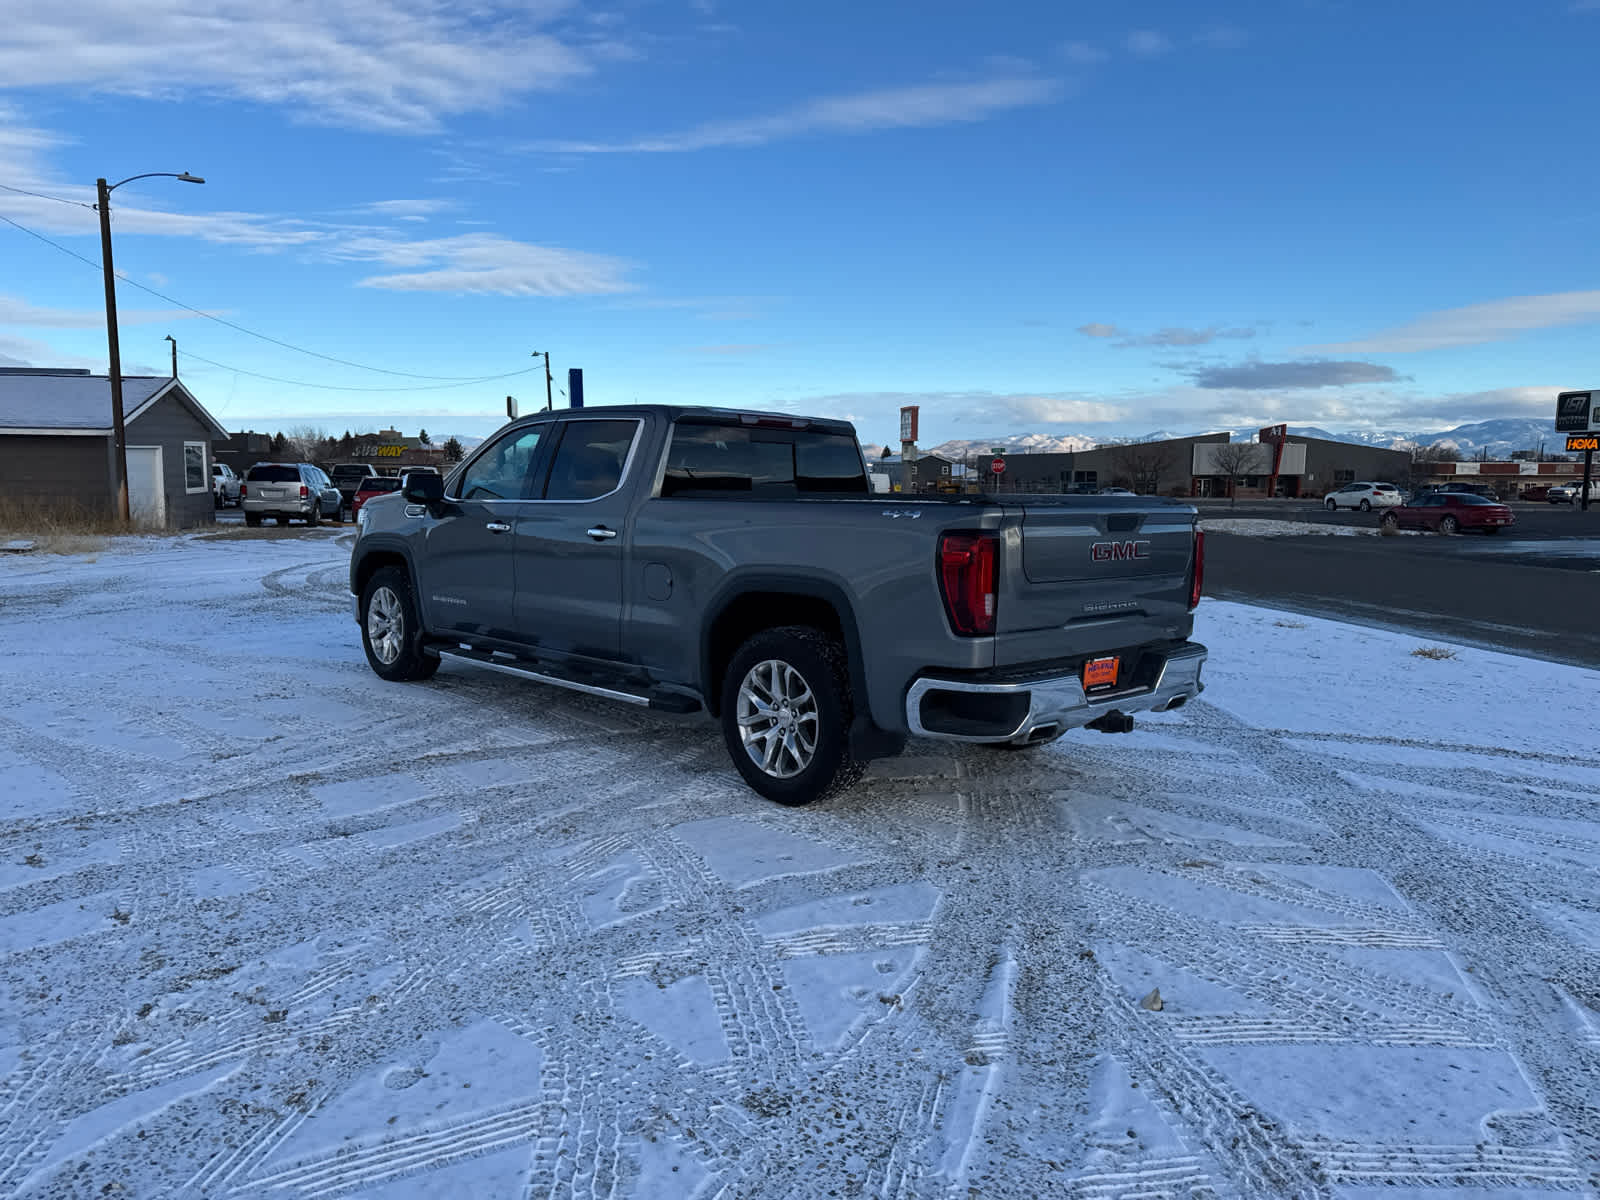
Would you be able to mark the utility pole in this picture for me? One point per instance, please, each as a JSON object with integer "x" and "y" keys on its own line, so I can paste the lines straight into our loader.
{"x": 174, "y": 342}
{"x": 549, "y": 400}
{"x": 119, "y": 435}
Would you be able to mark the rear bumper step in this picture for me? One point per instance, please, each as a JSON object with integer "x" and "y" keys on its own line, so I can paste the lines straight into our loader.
{"x": 1034, "y": 710}
{"x": 659, "y": 700}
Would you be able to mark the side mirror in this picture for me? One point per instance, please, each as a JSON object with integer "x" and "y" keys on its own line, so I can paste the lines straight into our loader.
{"x": 424, "y": 488}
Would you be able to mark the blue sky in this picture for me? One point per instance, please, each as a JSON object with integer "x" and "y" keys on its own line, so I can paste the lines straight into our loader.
{"x": 1025, "y": 217}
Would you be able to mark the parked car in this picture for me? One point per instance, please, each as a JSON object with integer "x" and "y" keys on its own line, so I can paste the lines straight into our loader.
{"x": 347, "y": 478}
{"x": 373, "y": 485}
{"x": 1116, "y": 491}
{"x": 1467, "y": 489}
{"x": 1571, "y": 493}
{"x": 1450, "y": 512}
{"x": 1538, "y": 492}
{"x": 224, "y": 485}
{"x": 1365, "y": 496}
{"x": 288, "y": 491}
{"x": 736, "y": 563}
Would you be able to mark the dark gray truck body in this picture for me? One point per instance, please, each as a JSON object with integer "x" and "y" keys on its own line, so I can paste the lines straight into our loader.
{"x": 648, "y": 595}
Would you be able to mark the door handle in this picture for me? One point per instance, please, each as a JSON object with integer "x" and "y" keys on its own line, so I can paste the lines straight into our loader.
{"x": 601, "y": 534}
{"x": 498, "y": 527}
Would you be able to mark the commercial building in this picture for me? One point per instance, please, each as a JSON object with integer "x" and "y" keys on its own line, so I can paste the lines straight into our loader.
{"x": 58, "y": 453}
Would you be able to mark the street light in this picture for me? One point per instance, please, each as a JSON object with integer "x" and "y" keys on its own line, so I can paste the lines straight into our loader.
{"x": 119, "y": 435}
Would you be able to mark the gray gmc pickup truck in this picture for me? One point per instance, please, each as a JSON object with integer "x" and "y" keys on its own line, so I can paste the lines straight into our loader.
{"x": 737, "y": 563}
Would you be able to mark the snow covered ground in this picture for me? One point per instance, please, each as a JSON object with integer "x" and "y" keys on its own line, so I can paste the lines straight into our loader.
{"x": 271, "y": 927}
{"x": 1269, "y": 527}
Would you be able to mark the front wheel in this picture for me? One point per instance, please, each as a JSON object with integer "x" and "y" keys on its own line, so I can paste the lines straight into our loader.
{"x": 391, "y": 634}
{"x": 786, "y": 713}
{"x": 1333, "y": 506}
{"x": 1449, "y": 526}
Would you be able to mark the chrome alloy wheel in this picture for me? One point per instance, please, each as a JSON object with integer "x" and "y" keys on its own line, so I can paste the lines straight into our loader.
{"x": 778, "y": 719}
{"x": 385, "y": 625}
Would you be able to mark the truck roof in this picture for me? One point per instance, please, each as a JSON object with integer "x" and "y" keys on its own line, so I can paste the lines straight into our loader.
{"x": 673, "y": 412}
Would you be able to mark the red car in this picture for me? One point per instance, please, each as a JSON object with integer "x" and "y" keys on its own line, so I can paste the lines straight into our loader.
{"x": 373, "y": 485}
{"x": 1450, "y": 512}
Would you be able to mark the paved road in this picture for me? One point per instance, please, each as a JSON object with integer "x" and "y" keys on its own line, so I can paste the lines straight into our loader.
{"x": 1535, "y": 522}
{"x": 1538, "y": 597}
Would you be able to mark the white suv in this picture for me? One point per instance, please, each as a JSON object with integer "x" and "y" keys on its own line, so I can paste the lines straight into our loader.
{"x": 1365, "y": 496}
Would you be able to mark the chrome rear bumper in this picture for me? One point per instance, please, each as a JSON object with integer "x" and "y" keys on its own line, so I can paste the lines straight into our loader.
{"x": 1036, "y": 710}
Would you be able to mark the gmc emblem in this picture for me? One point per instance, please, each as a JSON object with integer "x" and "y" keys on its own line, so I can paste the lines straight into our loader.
{"x": 1118, "y": 551}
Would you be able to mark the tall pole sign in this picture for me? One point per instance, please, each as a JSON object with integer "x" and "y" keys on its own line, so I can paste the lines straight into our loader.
{"x": 908, "y": 447}
{"x": 1579, "y": 412}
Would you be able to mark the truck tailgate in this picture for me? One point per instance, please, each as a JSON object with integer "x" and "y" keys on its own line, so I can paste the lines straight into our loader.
{"x": 1092, "y": 564}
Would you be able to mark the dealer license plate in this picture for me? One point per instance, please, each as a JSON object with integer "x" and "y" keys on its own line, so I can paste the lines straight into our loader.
{"x": 1100, "y": 674}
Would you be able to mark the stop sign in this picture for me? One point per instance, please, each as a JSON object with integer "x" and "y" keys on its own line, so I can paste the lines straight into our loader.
{"x": 998, "y": 466}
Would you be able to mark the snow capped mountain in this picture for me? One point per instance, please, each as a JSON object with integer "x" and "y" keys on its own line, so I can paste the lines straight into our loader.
{"x": 1037, "y": 443}
{"x": 1497, "y": 438}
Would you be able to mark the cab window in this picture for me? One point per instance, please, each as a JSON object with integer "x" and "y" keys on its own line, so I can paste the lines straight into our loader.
{"x": 502, "y": 471}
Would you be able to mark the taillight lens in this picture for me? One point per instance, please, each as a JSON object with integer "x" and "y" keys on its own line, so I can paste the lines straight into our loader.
{"x": 1197, "y": 580}
{"x": 304, "y": 491}
{"x": 244, "y": 491}
{"x": 969, "y": 564}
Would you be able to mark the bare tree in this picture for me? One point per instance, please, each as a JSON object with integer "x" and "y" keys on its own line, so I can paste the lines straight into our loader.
{"x": 1234, "y": 460}
{"x": 306, "y": 442}
{"x": 1141, "y": 465}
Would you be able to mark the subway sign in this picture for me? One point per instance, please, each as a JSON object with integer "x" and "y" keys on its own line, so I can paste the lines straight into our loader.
{"x": 1578, "y": 412}
{"x": 1583, "y": 441}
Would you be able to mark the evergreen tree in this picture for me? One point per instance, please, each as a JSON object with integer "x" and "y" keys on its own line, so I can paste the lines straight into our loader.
{"x": 422, "y": 436}
{"x": 453, "y": 451}
{"x": 279, "y": 443}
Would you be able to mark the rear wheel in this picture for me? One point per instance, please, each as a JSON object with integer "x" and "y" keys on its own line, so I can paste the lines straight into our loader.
{"x": 391, "y": 634}
{"x": 1366, "y": 506}
{"x": 1491, "y": 530}
{"x": 1390, "y": 521}
{"x": 314, "y": 517}
{"x": 1449, "y": 526}
{"x": 252, "y": 519}
{"x": 786, "y": 713}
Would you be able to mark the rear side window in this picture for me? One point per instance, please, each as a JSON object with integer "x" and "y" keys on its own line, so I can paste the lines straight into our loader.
{"x": 274, "y": 473}
{"x": 588, "y": 463}
{"x": 711, "y": 460}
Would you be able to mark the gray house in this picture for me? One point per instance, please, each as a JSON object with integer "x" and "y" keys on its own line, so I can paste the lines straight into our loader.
{"x": 56, "y": 448}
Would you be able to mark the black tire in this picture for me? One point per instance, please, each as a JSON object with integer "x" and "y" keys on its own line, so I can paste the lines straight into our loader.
{"x": 1332, "y": 506}
{"x": 1366, "y": 506}
{"x": 252, "y": 519}
{"x": 408, "y": 662}
{"x": 314, "y": 517}
{"x": 1390, "y": 521}
{"x": 819, "y": 662}
{"x": 281, "y": 520}
{"x": 1449, "y": 526}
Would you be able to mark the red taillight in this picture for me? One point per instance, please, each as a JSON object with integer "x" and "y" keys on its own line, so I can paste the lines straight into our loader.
{"x": 1198, "y": 578}
{"x": 304, "y": 491}
{"x": 243, "y": 491}
{"x": 969, "y": 565}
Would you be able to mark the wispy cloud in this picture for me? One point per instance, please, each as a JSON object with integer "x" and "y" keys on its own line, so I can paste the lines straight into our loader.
{"x": 1308, "y": 373}
{"x": 1148, "y": 43}
{"x": 404, "y": 208}
{"x": 1083, "y": 54}
{"x": 1475, "y": 324}
{"x": 395, "y": 65}
{"x": 859, "y": 112}
{"x": 484, "y": 262}
{"x": 1172, "y": 335}
{"x": 16, "y": 311}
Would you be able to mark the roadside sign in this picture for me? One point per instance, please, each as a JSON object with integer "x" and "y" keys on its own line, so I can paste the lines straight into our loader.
{"x": 1577, "y": 412}
{"x": 998, "y": 466}
{"x": 908, "y": 422}
{"x": 1583, "y": 441}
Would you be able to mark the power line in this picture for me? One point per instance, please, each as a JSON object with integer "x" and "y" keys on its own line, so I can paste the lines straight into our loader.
{"x": 41, "y": 196}
{"x": 343, "y": 362}
{"x": 334, "y": 387}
